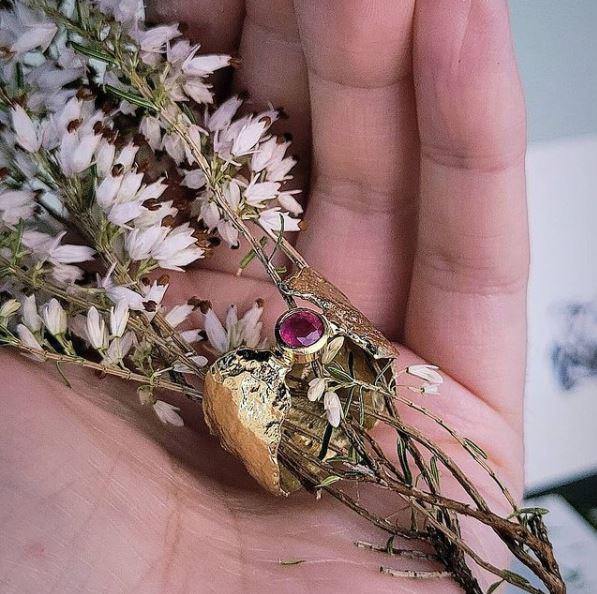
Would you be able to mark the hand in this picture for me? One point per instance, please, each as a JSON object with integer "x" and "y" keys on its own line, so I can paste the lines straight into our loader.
{"x": 416, "y": 210}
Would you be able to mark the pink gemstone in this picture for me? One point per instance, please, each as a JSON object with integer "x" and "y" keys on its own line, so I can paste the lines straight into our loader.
{"x": 301, "y": 328}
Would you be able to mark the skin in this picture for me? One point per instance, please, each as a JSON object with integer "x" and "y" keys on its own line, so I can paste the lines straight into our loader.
{"x": 409, "y": 120}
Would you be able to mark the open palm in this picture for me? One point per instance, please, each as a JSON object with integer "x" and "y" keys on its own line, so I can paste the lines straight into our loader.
{"x": 410, "y": 124}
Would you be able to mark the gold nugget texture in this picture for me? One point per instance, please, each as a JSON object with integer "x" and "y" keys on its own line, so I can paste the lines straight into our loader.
{"x": 308, "y": 284}
{"x": 245, "y": 402}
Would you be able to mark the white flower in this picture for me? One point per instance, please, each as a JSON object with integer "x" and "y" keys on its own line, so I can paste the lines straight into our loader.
{"x": 199, "y": 66}
{"x": 248, "y": 136}
{"x": 177, "y": 249}
{"x": 76, "y": 151}
{"x": 127, "y": 155}
{"x": 30, "y": 315}
{"x": 126, "y": 12}
{"x": 119, "y": 317}
{"x": 425, "y": 389}
{"x": 153, "y": 40}
{"x": 174, "y": 146}
{"x": 258, "y": 192}
{"x": 47, "y": 247}
{"x": 65, "y": 273}
{"x": 332, "y": 349}
{"x": 191, "y": 336}
{"x": 316, "y": 388}
{"x": 228, "y": 232}
{"x": 289, "y": 203}
{"x": 151, "y": 129}
{"x": 265, "y": 153}
{"x": 105, "y": 194}
{"x": 271, "y": 221}
{"x": 104, "y": 157}
{"x": 194, "y": 179}
{"x": 178, "y": 314}
{"x": 232, "y": 194}
{"x": 246, "y": 331}
{"x": 16, "y": 205}
{"x": 333, "y": 408}
{"x": 120, "y": 214}
{"x": 279, "y": 171}
{"x": 197, "y": 90}
{"x": 9, "y": 308}
{"x": 222, "y": 116}
{"x": 119, "y": 348}
{"x": 140, "y": 243}
{"x": 54, "y": 317}
{"x": 152, "y": 191}
{"x": 36, "y": 33}
{"x": 129, "y": 186}
{"x": 27, "y": 338}
{"x": 27, "y": 133}
{"x": 216, "y": 334}
{"x": 167, "y": 413}
{"x": 426, "y": 372}
{"x": 96, "y": 329}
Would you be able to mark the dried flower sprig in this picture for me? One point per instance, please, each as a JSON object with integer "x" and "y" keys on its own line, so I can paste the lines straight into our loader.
{"x": 81, "y": 191}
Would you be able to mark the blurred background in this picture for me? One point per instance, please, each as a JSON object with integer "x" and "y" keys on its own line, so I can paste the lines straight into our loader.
{"x": 556, "y": 44}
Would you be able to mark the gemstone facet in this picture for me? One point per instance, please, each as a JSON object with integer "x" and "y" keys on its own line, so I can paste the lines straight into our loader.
{"x": 301, "y": 328}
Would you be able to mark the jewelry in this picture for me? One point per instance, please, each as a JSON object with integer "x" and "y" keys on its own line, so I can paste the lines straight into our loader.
{"x": 247, "y": 394}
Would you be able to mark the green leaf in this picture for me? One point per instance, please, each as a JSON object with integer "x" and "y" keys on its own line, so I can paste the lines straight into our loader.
{"x": 187, "y": 111}
{"x": 328, "y": 480}
{"x": 433, "y": 470}
{"x": 473, "y": 448}
{"x": 339, "y": 373}
{"x": 91, "y": 52}
{"x": 535, "y": 511}
{"x": 515, "y": 578}
{"x": 130, "y": 97}
{"x": 248, "y": 258}
{"x": 402, "y": 457}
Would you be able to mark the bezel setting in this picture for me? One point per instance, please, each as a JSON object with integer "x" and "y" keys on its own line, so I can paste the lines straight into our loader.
{"x": 302, "y": 354}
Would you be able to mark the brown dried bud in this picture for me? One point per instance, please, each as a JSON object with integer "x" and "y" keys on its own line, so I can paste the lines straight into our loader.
{"x": 150, "y": 306}
{"x": 117, "y": 170}
{"x": 110, "y": 135}
{"x": 260, "y": 302}
{"x": 152, "y": 204}
{"x": 168, "y": 221}
{"x": 98, "y": 128}
{"x": 73, "y": 125}
{"x": 204, "y": 306}
{"x": 6, "y": 53}
{"x": 85, "y": 94}
{"x": 235, "y": 62}
{"x": 163, "y": 280}
{"x": 195, "y": 302}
